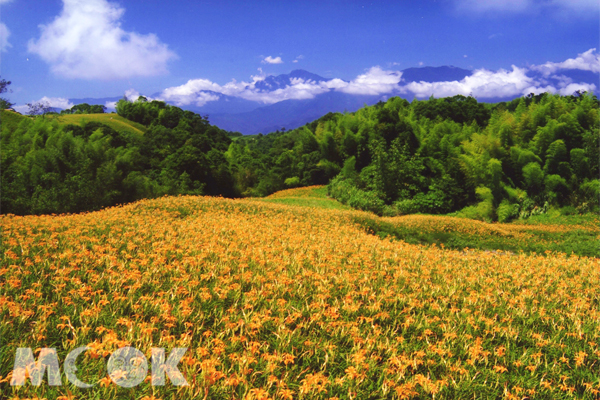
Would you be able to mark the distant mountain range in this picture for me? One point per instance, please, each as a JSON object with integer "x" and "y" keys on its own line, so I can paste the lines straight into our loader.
{"x": 251, "y": 117}
{"x": 272, "y": 82}
{"x": 290, "y": 114}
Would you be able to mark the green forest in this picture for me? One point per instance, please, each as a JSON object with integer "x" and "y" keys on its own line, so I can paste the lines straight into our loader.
{"x": 493, "y": 162}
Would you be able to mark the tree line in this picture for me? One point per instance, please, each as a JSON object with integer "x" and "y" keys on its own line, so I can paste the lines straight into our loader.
{"x": 486, "y": 161}
{"x": 48, "y": 167}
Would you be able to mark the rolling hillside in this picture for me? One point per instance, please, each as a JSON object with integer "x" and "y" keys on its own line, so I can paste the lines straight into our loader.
{"x": 286, "y": 301}
{"x": 115, "y": 121}
{"x": 571, "y": 235}
{"x": 10, "y": 119}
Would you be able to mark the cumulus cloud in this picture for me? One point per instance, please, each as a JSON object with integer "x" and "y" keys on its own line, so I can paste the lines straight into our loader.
{"x": 516, "y": 82}
{"x": 4, "y": 34}
{"x": 21, "y": 109}
{"x": 578, "y": 5}
{"x": 131, "y": 95}
{"x": 493, "y": 5}
{"x": 525, "y": 6}
{"x": 193, "y": 92}
{"x": 271, "y": 60}
{"x": 376, "y": 81}
{"x": 86, "y": 41}
{"x": 482, "y": 83}
{"x": 574, "y": 87}
{"x": 588, "y": 61}
{"x": 200, "y": 91}
{"x": 54, "y": 102}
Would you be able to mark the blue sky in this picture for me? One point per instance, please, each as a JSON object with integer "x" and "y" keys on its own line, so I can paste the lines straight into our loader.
{"x": 98, "y": 48}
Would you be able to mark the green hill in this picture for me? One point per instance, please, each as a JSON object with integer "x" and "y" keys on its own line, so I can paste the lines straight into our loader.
{"x": 10, "y": 119}
{"x": 573, "y": 234}
{"x": 115, "y": 121}
{"x": 81, "y": 162}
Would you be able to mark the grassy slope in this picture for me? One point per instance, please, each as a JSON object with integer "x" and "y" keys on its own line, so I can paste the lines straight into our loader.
{"x": 312, "y": 196}
{"x": 118, "y": 123}
{"x": 115, "y": 121}
{"x": 567, "y": 234}
{"x": 10, "y": 119}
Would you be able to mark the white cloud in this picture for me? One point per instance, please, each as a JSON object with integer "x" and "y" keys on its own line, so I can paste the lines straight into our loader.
{"x": 194, "y": 91}
{"x": 573, "y": 87}
{"x": 376, "y": 81}
{"x": 271, "y": 60}
{"x": 493, "y": 5}
{"x": 516, "y": 82}
{"x": 57, "y": 102}
{"x": 191, "y": 93}
{"x": 588, "y": 61}
{"x": 132, "y": 95}
{"x": 482, "y": 83}
{"x": 21, "y": 109}
{"x": 54, "y": 102}
{"x": 4, "y": 34}
{"x": 539, "y": 89}
{"x": 526, "y": 6}
{"x": 579, "y": 6}
{"x": 86, "y": 41}
{"x": 5, "y": 1}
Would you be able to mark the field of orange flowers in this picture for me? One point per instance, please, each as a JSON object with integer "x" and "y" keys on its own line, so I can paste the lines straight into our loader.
{"x": 281, "y": 302}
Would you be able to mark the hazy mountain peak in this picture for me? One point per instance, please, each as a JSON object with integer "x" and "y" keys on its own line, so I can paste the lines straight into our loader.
{"x": 273, "y": 82}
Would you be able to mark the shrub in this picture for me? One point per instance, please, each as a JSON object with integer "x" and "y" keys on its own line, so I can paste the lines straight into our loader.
{"x": 507, "y": 211}
{"x": 346, "y": 193}
{"x": 292, "y": 182}
{"x": 590, "y": 196}
{"x": 406, "y": 206}
{"x": 568, "y": 210}
{"x": 556, "y": 188}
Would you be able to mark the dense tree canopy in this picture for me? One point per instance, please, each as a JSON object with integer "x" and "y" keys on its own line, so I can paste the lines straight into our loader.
{"x": 4, "y": 103}
{"x": 85, "y": 108}
{"x": 485, "y": 161}
{"x": 52, "y": 168}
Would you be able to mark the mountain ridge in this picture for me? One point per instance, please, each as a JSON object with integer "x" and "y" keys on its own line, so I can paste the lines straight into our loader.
{"x": 235, "y": 113}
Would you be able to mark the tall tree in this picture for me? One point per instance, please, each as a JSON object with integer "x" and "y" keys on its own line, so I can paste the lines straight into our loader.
{"x": 4, "y": 103}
